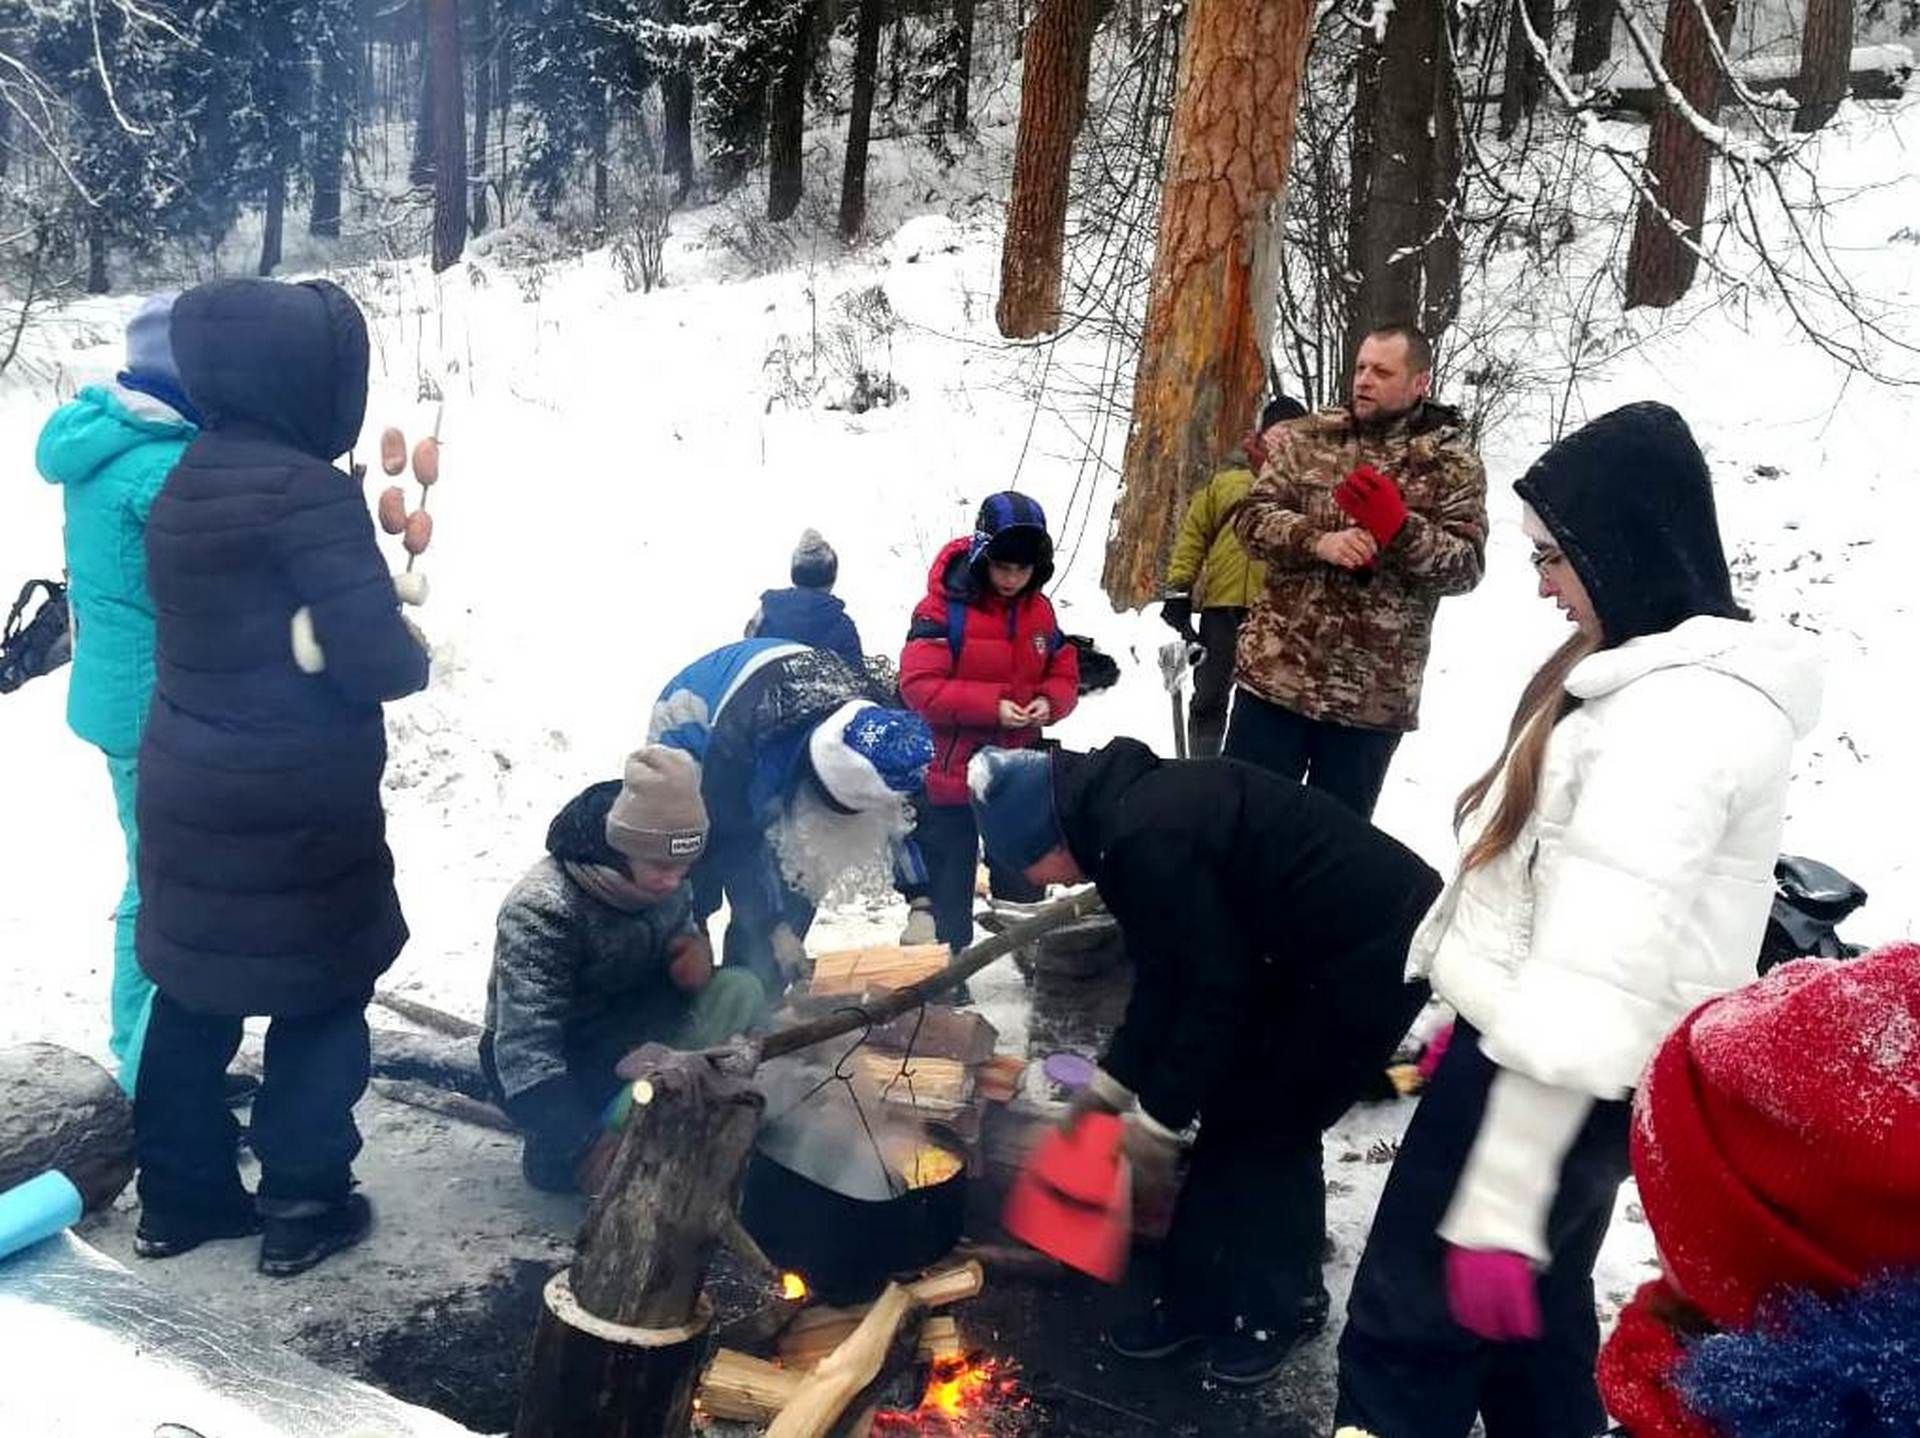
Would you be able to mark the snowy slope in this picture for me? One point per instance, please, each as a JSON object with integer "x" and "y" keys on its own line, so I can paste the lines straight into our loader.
{"x": 623, "y": 475}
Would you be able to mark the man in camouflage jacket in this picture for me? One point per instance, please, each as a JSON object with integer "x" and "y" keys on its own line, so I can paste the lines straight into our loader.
{"x": 1366, "y": 517}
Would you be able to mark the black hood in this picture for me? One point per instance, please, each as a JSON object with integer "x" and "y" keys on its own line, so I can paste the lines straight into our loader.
{"x": 286, "y": 360}
{"x": 1629, "y": 499}
{"x": 579, "y": 831}
{"x": 1088, "y": 792}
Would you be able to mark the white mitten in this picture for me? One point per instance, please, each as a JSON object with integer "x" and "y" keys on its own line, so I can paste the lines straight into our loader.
{"x": 307, "y": 653}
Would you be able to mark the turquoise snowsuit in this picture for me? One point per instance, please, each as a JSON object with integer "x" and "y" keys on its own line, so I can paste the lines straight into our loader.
{"x": 111, "y": 449}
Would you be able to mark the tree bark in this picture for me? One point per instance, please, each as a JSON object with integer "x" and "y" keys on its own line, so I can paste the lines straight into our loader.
{"x": 1826, "y": 56}
{"x": 676, "y": 105}
{"x": 786, "y": 142}
{"x": 425, "y": 146}
{"x": 446, "y": 68}
{"x": 1052, "y": 104}
{"x": 963, "y": 18}
{"x": 61, "y": 1110}
{"x": 1662, "y": 259}
{"x": 1404, "y": 244}
{"x": 1203, "y": 363}
{"x": 1525, "y": 75}
{"x": 484, "y": 39}
{"x": 642, "y": 1260}
{"x": 276, "y": 219}
{"x": 1592, "y": 35}
{"x": 866, "y": 65}
{"x": 98, "y": 282}
{"x": 330, "y": 139}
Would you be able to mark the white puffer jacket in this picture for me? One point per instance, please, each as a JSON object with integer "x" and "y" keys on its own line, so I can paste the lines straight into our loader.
{"x": 1640, "y": 887}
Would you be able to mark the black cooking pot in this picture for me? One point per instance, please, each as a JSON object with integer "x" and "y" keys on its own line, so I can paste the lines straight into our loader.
{"x": 847, "y": 1248}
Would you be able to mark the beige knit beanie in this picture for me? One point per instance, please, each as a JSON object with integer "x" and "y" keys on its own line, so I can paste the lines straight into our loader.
{"x": 657, "y": 816}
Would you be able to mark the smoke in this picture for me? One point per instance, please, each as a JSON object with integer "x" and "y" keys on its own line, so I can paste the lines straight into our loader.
{"x": 817, "y": 1131}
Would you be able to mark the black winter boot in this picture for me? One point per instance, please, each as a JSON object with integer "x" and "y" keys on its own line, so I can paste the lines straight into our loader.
{"x": 298, "y": 1233}
{"x": 163, "y": 1235}
{"x": 1249, "y": 1356}
{"x": 1156, "y": 1333}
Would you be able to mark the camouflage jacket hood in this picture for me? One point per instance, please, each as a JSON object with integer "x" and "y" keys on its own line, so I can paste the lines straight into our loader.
{"x": 1350, "y": 647}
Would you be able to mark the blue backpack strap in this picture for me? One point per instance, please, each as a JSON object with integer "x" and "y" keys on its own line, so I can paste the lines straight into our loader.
{"x": 956, "y": 628}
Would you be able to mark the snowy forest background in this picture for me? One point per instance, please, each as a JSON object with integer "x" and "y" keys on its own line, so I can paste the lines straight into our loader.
{"x": 677, "y": 278}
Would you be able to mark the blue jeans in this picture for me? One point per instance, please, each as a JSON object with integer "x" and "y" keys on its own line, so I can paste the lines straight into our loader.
{"x": 132, "y": 990}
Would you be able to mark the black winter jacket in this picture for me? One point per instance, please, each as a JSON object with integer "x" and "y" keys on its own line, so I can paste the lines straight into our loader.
{"x": 1268, "y": 928}
{"x": 265, "y": 880}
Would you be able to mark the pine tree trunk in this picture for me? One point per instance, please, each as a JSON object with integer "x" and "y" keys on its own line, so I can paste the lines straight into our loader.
{"x": 483, "y": 42}
{"x": 1520, "y": 93}
{"x": 420, "y": 169}
{"x": 676, "y": 104}
{"x": 866, "y": 65}
{"x": 963, "y": 17}
{"x": 446, "y": 67}
{"x": 786, "y": 142}
{"x": 98, "y": 282}
{"x": 1203, "y": 361}
{"x": 1403, "y": 247}
{"x": 330, "y": 140}
{"x": 601, "y": 209}
{"x": 1661, "y": 263}
{"x": 1826, "y": 57}
{"x": 275, "y": 220}
{"x": 503, "y": 24}
{"x": 1052, "y": 103}
{"x": 6, "y": 139}
{"x": 1592, "y": 35}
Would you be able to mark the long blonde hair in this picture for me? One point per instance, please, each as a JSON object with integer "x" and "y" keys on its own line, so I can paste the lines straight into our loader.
{"x": 1543, "y": 704}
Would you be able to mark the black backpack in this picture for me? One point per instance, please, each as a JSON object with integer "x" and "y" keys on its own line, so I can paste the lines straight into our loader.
{"x": 37, "y": 645}
{"x": 1809, "y": 901}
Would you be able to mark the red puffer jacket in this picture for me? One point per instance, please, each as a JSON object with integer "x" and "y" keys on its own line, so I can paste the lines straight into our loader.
{"x": 967, "y": 649}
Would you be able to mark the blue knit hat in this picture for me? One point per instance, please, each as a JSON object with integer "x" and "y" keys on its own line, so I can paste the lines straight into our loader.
{"x": 1012, "y": 793}
{"x": 866, "y": 756}
{"x": 150, "y": 365}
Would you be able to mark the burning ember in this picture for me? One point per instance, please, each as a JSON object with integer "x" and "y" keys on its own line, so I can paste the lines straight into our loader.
{"x": 973, "y": 1396}
{"x": 793, "y": 1287}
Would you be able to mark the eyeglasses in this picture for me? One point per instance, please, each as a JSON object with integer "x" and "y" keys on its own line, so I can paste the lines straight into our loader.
{"x": 1546, "y": 556}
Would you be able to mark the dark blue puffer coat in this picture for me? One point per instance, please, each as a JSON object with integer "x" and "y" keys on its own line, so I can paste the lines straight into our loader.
{"x": 807, "y": 616}
{"x": 266, "y": 882}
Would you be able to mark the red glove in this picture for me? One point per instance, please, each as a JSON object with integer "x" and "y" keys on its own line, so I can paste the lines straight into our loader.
{"x": 1373, "y": 501}
{"x": 1492, "y": 1294}
{"x": 1430, "y": 1056}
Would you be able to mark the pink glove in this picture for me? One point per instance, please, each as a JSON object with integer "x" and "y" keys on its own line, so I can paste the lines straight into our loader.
{"x": 1431, "y": 1055}
{"x": 1492, "y": 1294}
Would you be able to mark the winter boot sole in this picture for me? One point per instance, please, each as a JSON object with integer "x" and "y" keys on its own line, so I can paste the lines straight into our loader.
{"x": 1152, "y": 1352}
{"x": 155, "y": 1242}
{"x": 282, "y": 1255}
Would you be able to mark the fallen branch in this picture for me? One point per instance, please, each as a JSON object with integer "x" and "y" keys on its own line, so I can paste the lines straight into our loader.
{"x": 427, "y": 1016}
{"x": 456, "y": 1106}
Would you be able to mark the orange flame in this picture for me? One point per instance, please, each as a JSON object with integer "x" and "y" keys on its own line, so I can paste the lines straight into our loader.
{"x": 966, "y": 1397}
{"x": 793, "y": 1287}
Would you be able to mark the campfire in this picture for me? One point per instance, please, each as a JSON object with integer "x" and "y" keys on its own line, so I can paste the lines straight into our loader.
{"x": 971, "y": 1396}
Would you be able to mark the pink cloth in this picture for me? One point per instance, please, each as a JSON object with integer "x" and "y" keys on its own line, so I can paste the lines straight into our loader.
{"x": 1492, "y": 1295}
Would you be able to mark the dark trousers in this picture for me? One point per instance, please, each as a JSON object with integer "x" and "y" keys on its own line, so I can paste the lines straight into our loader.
{"x": 740, "y": 869}
{"x": 949, "y": 842}
{"x": 1407, "y": 1370}
{"x": 1337, "y": 759}
{"x": 1213, "y": 682}
{"x": 1249, "y": 1227}
{"x": 314, "y": 1072}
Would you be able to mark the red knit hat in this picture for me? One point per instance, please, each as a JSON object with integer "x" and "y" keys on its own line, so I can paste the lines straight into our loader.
{"x": 1776, "y": 1136}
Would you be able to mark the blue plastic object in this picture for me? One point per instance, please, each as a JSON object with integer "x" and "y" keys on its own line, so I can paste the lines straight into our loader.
{"x": 37, "y": 1209}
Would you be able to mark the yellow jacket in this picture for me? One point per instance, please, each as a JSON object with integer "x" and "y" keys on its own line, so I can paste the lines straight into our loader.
{"x": 1208, "y": 562}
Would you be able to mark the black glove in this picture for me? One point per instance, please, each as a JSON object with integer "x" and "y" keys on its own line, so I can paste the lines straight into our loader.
{"x": 556, "y": 1110}
{"x": 1176, "y": 612}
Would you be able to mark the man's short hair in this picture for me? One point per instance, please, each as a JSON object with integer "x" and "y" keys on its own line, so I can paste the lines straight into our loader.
{"x": 1419, "y": 347}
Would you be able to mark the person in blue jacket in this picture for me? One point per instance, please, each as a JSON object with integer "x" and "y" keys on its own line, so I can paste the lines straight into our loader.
{"x": 266, "y": 884}
{"x": 806, "y": 770}
{"x": 808, "y": 612}
{"x": 110, "y": 449}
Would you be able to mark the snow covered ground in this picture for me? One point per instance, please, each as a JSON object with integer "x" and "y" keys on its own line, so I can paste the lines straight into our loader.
{"x": 624, "y": 473}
